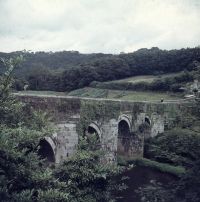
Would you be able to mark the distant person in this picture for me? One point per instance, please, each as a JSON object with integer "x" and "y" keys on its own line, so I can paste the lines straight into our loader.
{"x": 162, "y": 100}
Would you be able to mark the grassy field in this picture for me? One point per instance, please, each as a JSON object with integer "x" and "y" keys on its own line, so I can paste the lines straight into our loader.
{"x": 117, "y": 94}
{"x": 30, "y": 92}
{"x": 122, "y": 95}
{"x": 145, "y": 78}
{"x": 110, "y": 94}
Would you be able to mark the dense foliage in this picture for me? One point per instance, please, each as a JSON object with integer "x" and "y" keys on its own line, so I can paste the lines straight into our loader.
{"x": 68, "y": 70}
{"x": 177, "y": 147}
{"x": 173, "y": 83}
{"x": 88, "y": 176}
{"x": 24, "y": 176}
{"x": 186, "y": 189}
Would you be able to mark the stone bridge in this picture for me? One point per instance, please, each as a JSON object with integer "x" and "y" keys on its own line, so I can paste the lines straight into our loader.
{"x": 121, "y": 126}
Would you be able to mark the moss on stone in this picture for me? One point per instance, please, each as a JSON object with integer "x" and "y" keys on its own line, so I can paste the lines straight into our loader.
{"x": 96, "y": 111}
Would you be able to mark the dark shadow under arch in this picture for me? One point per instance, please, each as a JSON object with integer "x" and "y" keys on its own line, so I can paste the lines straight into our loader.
{"x": 93, "y": 133}
{"x": 45, "y": 151}
{"x": 124, "y": 135}
{"x": 147, "y": 120}
{"x": 145, "y": 128}
{"x": 93, "y": 128}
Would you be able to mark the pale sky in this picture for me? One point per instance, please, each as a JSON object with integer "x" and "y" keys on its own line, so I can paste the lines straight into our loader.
{"x": 108, "y": 26}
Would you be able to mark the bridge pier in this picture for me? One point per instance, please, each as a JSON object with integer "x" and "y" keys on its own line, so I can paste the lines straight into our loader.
{"x": 109, "y": 139}
{"x": 67, "y": 139}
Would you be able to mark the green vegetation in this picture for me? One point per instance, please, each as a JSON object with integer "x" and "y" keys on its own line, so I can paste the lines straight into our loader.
{"x": 169, "y": 82}
{"x": 66, "y": 71}
{"x": 110, "y": 94}
{"x": 163, "y": 167}
{"x": 47, "y": 93}
{"x": 143, "y": 78}
{"x": 89, "y": 178}
{"x": 25, "y": 176}
{"x": 123, "y": 95}
{"x": 91, "y": 111}
{"x": 177, "y": 147}
{"x": 144, "y": 162}
{"x": 187, "y": 189}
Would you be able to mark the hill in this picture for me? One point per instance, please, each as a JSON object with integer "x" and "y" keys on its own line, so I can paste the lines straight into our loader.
{"x": 69, "y": 70}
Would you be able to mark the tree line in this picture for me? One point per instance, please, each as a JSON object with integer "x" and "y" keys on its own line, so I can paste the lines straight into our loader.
{"x": 69, "y": 70}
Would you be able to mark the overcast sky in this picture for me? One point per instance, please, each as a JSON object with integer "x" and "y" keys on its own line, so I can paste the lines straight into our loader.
{"x": 109, "y": 26}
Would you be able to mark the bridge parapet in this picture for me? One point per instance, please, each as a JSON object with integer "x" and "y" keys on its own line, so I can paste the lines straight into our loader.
{"x": 119, "y": 122}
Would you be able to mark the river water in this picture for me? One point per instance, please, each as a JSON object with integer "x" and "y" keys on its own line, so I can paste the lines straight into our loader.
{"x": 140, "y": 176}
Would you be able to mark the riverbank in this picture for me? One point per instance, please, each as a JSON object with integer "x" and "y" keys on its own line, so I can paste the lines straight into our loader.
{"x": 177, "y": 171}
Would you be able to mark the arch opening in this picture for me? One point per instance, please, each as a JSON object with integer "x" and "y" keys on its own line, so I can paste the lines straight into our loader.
{"x": 93, "y": 135}
{"x": 124, "y": 136}
{"x": 123, "y": 129}
{"x": 147, "y": 120}
{"x": 46, "y": 151}
{"x": 145, "y": 128}
{"x": 92, "y": 130}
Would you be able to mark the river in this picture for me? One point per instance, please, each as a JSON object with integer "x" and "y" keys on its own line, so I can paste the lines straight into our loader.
{"x": 140, "y": 176}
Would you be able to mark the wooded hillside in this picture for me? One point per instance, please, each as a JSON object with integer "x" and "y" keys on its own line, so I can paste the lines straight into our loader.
{"x": 68, "y": 70}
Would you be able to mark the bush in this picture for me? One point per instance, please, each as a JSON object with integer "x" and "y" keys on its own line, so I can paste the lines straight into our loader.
{"x": 163, "y": 167}
{"x": 89, "y": 178}
{"x": 177, "y": 147}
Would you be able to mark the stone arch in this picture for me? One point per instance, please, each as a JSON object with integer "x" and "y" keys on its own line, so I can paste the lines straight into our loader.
{"x": 124, "y": 135}
{"x": 145, "y": 128}
{"x": 126, "y": 119}
{"x": 147, "y": 120}
{"x": 93, "y": 128}
{"x": 47, "y": 149}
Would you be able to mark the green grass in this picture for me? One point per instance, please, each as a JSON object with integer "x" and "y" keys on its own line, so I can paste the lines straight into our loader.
{"x": 109, "y": 94}
{"x": 143, "y": 78}
{"x": 89, "y": 92}
{"x": 30, "y": 92}
{"x": 116, "y": 94}
{"x": 162, "y": 167}
{"x": 122, "y": 95}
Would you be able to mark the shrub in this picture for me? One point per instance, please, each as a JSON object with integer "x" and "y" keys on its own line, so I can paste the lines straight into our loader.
{"x": 177, "y": 147}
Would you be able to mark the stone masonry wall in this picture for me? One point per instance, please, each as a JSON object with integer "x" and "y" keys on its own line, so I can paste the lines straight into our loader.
{"x": 72, "y": 116}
